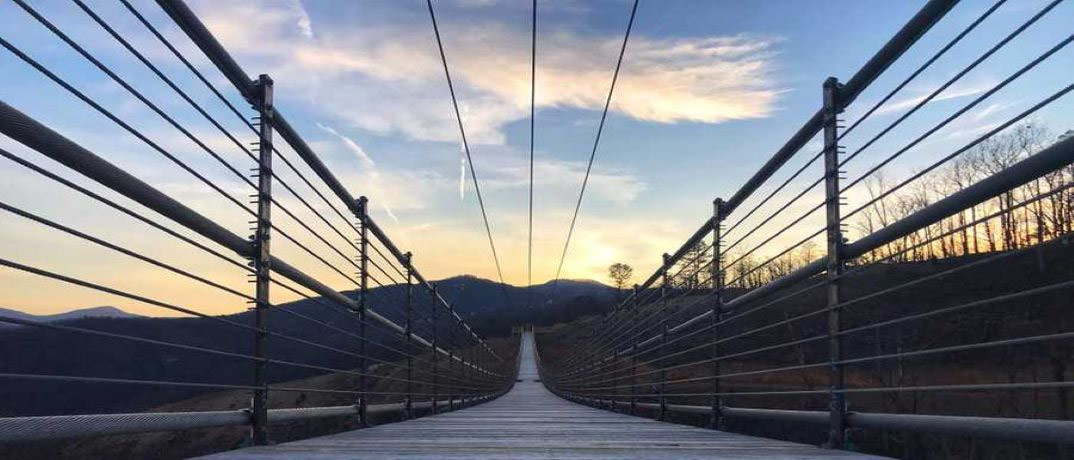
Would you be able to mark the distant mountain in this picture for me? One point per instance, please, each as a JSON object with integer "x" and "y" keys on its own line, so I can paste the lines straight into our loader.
{"x": 491, "y": 307}
{"x": 476, "y": 296}
{"x": 31, "y": 350}
{"x": 92, "y": 312}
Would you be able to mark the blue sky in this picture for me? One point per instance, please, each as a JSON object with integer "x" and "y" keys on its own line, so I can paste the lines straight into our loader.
{"x": 708, "y": 91}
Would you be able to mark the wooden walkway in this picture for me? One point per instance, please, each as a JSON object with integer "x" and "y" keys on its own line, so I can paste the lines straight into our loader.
{"x": 530, "y": 422}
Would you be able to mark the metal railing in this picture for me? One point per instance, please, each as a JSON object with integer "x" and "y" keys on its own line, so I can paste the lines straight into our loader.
{"x": 773, "y": 312}
{"x": 405, "y": 348}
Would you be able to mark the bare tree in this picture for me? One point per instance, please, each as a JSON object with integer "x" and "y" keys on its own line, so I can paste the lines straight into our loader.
{"x": 1015, "y": 224}
{"x": 620, "y": 274}
{"x": 690, "y": 266}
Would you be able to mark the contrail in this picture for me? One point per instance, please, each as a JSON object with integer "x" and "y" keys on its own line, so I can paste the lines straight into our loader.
{"x": 358, "y": 151}
{"x": 389, "y": 212}
{"x": 462, "y": 178}
{"x": 367, "y": 162}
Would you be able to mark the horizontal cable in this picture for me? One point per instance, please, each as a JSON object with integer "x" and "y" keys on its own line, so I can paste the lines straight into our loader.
{"x": 119, "y": 249}
{"x": 80, "y": 379}
{"x": 842, "y": 305}
{"x": 234, "y": 110}
{"x": 954, "y": 79}
{"x": 920, "y": 69}
{"x": 907, "y": 354}
{"x": 910, "y": 388}
{"x": 646, "y": 323}
{"x": 163, "y": 115}
{"x": 176, "y": 308}
{"x": 120, "y": 293}
{"x": 989, "y": 259}
{"x": 990, "y": 133}
{"x": 122, "y": 124}
{"x": 121, "y": 208}
{"x": 773, "y": 193}
{"x": 773, "y": 215}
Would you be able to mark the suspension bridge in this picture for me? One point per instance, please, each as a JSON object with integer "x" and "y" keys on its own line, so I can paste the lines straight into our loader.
{"x": 745, "y": 342}
{"x": 531, "y": 422}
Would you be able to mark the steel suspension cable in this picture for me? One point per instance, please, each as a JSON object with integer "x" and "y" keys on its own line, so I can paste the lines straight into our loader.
{"x": 617, "y": 333}
{"x": 75, "y": 92}
{"x": 533, "y": 105}
{"x": 91, "y": 103}
{"x": 850, "y": 302}
{"x": 618, "y": 325}
{"x": 466, "y": 148}
{"x": 596, "y": 144}
{"x": 231, "y": 107}
{"x": 138, "y": 134}
{"x": 114, "y": 205}
{"x": 117, "y": 248}
{"x": 954, "y": 41}
{"x": 983, "y": 57}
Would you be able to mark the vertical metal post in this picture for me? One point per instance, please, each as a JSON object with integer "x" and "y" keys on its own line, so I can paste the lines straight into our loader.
{"x": 483, "y": 362}
{"x": 262, "y": 258}
{"x": 408, "y": 333}
{"x": 470, "y": 382}
{"x": 634, "y": 354}
{"x": 716, "y": 315}
{"x": 451, "y": 360}
{"x": 837, "y": 399}
{"x": 433, "y": 341}
{"x": 664, "y": 334}
{"x": 475, "y": 373}
{"x": 476, "y": 377}
{"x": 363, "y": 305}
{"x": 479, "y": 363}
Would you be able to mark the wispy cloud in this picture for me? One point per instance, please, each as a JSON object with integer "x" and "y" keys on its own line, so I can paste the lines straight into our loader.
{"x": 462, "y": 177}
{"x": 358, "y": 151}
{"x": 955, "y": 91}
{"x": 368, "y": 164}
{"x": 613, "y": 185}
{"x": 393, "y": 72}
{"x": 386, "y": 79}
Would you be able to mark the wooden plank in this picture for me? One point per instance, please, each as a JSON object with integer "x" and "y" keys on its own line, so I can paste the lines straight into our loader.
{"x": 530, "y": 422}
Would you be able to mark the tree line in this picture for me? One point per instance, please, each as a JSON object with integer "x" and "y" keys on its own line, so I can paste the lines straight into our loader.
{"x": 1013, "y": 224}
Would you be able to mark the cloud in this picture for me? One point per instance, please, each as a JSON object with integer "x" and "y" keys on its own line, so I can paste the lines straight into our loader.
{"x": 477, "y": 3}
{"x": 373, "y": 175}
{"x": 388, "y": 78}
{"x": 597, "y": 243}
{"x": 358, "y": 151}
{"x": 305, "y": 26}
{"x": 613, "y": 185}
{"x": 462, "y": 178}
{"x": 384, "y": 76}
{"x": 955, "y": 91}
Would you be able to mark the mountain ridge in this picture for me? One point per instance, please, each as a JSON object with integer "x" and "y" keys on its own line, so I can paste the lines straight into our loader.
{"x": 572, "y": 287}
{"x": 104, "y": 311}
{"x": 68, "y": 352}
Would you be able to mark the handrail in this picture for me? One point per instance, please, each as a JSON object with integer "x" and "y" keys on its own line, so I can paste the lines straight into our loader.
{"x": 29, "y": 132}
{"x": 415, "y": 343}
{"x": 905, "y": 38}
{"x": 1003, "y": 428}
{"x": 685, "y": 336}
{"x": 211, "y": 47}
{"x": 55, "y": 427}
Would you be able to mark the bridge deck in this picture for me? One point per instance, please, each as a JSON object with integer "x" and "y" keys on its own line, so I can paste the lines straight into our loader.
{"x": 530, "y": 422}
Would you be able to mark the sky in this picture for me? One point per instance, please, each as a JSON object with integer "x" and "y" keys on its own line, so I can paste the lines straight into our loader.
{"x": 708, "y": 91}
